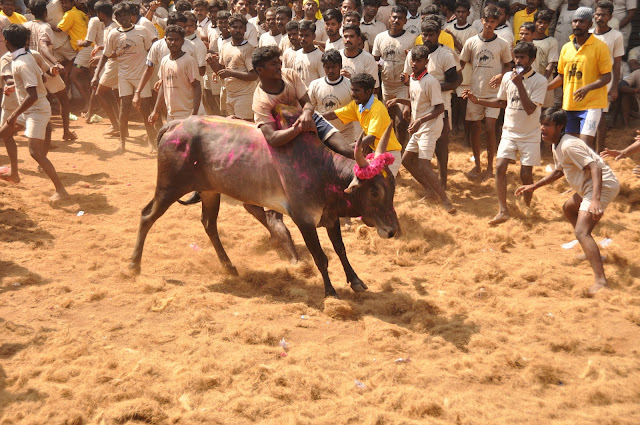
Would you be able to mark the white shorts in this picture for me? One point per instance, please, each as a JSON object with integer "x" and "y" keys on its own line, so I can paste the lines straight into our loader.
{"x": 395, "y": 167}
{"x": 423, "y": 142}
{"x": 83, "y": 58}
{"x": 35, "y": 126}
{"x": 529, "y": 152}
{"x": 6, "y": 113}
{"x": 109, "y": 76}
{"x": 128, "y": 88}
{"x": 178, "y": 116}
{"x": 607, "y": 194}
{"x": 65, "y": 53}
{"x": 401, "y": 92}
{"x": 478, "y": 112}
{"x": 240, "y": 106}
{"x": 54, "y": 84}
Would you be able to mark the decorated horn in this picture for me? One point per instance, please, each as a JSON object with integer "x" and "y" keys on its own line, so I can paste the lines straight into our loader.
{"x": 384, "y": 140}
{"x": 358, "y": 154}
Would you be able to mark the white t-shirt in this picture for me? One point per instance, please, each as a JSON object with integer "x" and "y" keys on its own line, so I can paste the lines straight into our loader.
{"x": 372, "y": 29}
{"x": 463, "y": 34}
{"x": 425, "y": 94}
{"x": 413, "y": 26}
{"x": 326, "y": 96}
{"x": 384, "y": 13}
{"x": 506, "y": 33}
{"x": 267, "y": 39}
{"x": 251, "y": 34}
{"x": 238, "y": 58}
{"x": 563, "y": 26}
{"x": 621, "y": 7}
{"x": 289, "y": 58}
{"x": 440, "y": 61}
{"x": 518, "y": 125}
{"x": 392, "y": 51}
{"x": 309, "y": 65}
{"x": 487, "y": 59}
{"x": 254, "y": 21}
{"x": 615, "y": 42}
{"x": 129, "y": 47}
{"x": 263, "y": 102}
{"x": 363, "y": 62}
{"x": 547, "y": 52}
{"x": 336, "y": 45}
{"x": 54, "y": 16}
{"x": 177, "y": 77}
{"x": 572, "y": 155}
{"x": 95, "y": 31}
{"x": 27, "y": 73}
{"x": 199, "y": 48}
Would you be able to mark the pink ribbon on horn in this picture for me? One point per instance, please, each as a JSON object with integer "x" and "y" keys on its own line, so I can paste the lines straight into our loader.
{"x": 376, "y": 164}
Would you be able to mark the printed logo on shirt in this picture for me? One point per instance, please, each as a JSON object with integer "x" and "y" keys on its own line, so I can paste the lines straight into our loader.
{"x": 389, "y": 53}
{"x": 330, "y": 102}
{"x": 485, "y": 58}
{"x": 574, "y": 73}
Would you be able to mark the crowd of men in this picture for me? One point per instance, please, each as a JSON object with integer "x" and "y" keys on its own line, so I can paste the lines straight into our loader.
{"x": 430, "y": 67}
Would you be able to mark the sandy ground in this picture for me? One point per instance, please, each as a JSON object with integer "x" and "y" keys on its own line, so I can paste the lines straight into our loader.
{"x": 492, "y": 322}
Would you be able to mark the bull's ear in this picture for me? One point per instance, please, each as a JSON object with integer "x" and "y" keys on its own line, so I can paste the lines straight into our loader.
{"x": 355, "y": 183}
{"x": 384, "y": 140}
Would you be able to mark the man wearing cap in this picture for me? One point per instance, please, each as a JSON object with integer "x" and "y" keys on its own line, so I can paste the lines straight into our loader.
{"x": 584, "y": 70}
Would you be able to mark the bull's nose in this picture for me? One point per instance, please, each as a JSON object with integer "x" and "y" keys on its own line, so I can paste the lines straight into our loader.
{"x": 391, "y": 233}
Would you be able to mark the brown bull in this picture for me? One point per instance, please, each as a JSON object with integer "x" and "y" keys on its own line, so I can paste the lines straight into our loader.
{"x": 303, "y": 179}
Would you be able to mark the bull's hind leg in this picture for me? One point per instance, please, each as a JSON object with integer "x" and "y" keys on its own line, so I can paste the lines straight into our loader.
{"x": 272, "y": 220}
{"x": 210, "y": 208}
{"x": 336, "y": 239}
{"x": 153, "y": 211}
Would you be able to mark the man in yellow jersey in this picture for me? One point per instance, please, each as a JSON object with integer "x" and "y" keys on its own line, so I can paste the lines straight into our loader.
{"x": 431, "y": 12}
{"x": 8, "y": 10}
{"x": 584, "y": 70}
{"x": 370, "y": 113}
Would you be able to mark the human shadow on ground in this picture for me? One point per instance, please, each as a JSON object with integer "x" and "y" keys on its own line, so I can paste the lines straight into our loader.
{"x": 93, "y": 203}
{"x": 19, "y": 277}
{"x": 16, "y": 226}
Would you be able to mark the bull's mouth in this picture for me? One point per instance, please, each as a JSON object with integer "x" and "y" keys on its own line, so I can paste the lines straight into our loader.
{"x": 387, "y": 233}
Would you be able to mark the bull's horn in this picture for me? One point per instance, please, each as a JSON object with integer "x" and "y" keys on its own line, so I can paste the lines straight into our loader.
{"x": 384, "y": 140}
{"x": 358, "y": 154}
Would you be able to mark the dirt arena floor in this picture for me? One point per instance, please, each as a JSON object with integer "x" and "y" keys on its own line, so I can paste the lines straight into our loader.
{"x": 462, "y": 324}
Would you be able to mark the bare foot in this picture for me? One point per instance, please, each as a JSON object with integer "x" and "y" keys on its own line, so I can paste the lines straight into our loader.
{"x": 474, "y": 174}
{"x": 487, "y": 175}
{"x": 152, "y": 149}
{"x": 112, "y": 132}
{"x": 597, "y": 286}
{"x": 8, "y": 175}
{"x": 58, "y": 196}
{"x": 120, "y": 150}
{"x": 499, "y": 218}
{"x": 70, "y": 136}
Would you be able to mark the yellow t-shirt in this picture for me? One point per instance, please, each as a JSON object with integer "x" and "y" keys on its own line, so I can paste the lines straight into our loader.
{"x": 374, "y": 120}
{"x": 15, "y": 18}
{"x": 444, "y": 38}
{"x": 160, "y": 31}
{"x": 582, "y": 67}
{"x": 75, "y": 24}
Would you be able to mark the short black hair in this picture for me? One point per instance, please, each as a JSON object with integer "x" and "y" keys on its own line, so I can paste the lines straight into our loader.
{"x": 529, "y": 26}
{"x": 363, "y": 80}
{"x": 400, "y": 9}
{"x": 182, "y": 6}
{"x": 197, "y": 3}
{"x": 430, "y": 25}
{"x": 353, "y": 28}
{"x": 449, "y": 4}
{"x": 175, "y": 17}
{"x": 264, "y": 54}
{"x": 491, "y": 12}
{"x": 17, "y": 35}
{"x": 175, "y": 28}
{"x": 103, "y": 6}
{"x": 307, "y": 25}
{"x": 332, "y": 14}
{"x": 419, "y": 52}
{"x": 284, "y": 10}
{"x": 190, "y": 16}
{"x": 38, "y": 8}
{"x": 543, "y": 15}
{"x": 556, "y": 115}
{"x": 223, "y": 14}
{"x": 464, "y": 4}
{"x": 431, "y": 9}
{"x": 605, "y": 4}
{"x": 527, "y": 48}
{"x": 352, "y": 14}
{"x": 504, "y": 5}
{"x": 331, "y": 56}
{"x": 291, "y": 25}
{"x": 123, "y": 7}
{"x": 237, "y": 17}
{"x": 135, "y": 8}
{"x": 371, "y": 3}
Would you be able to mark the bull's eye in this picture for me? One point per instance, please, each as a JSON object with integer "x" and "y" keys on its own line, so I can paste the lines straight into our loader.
{"x": 375, "y": 193}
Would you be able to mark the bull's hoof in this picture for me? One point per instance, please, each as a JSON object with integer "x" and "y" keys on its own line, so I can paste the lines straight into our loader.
{"x": 134, "y": 267}
{"x": 331, "y": 293}
{"x": 193, "y": 199}
{"x": 231, "y": 269}
{"x": 358, "y": 286}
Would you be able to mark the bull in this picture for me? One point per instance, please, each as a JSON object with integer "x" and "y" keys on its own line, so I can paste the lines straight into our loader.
{"x": 303, "y": 179}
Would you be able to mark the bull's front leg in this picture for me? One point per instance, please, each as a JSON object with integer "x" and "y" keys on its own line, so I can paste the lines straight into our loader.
{"x": 310, "y": 236}
{"x": 338, "y": 245}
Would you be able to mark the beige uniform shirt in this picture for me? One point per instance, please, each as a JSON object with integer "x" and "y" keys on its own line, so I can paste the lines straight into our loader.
{"x": 177, "y": 77}
{"x": 309, "y": 65}
{"x": 237, "y": 58}
{"x": 486, "y": 59}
